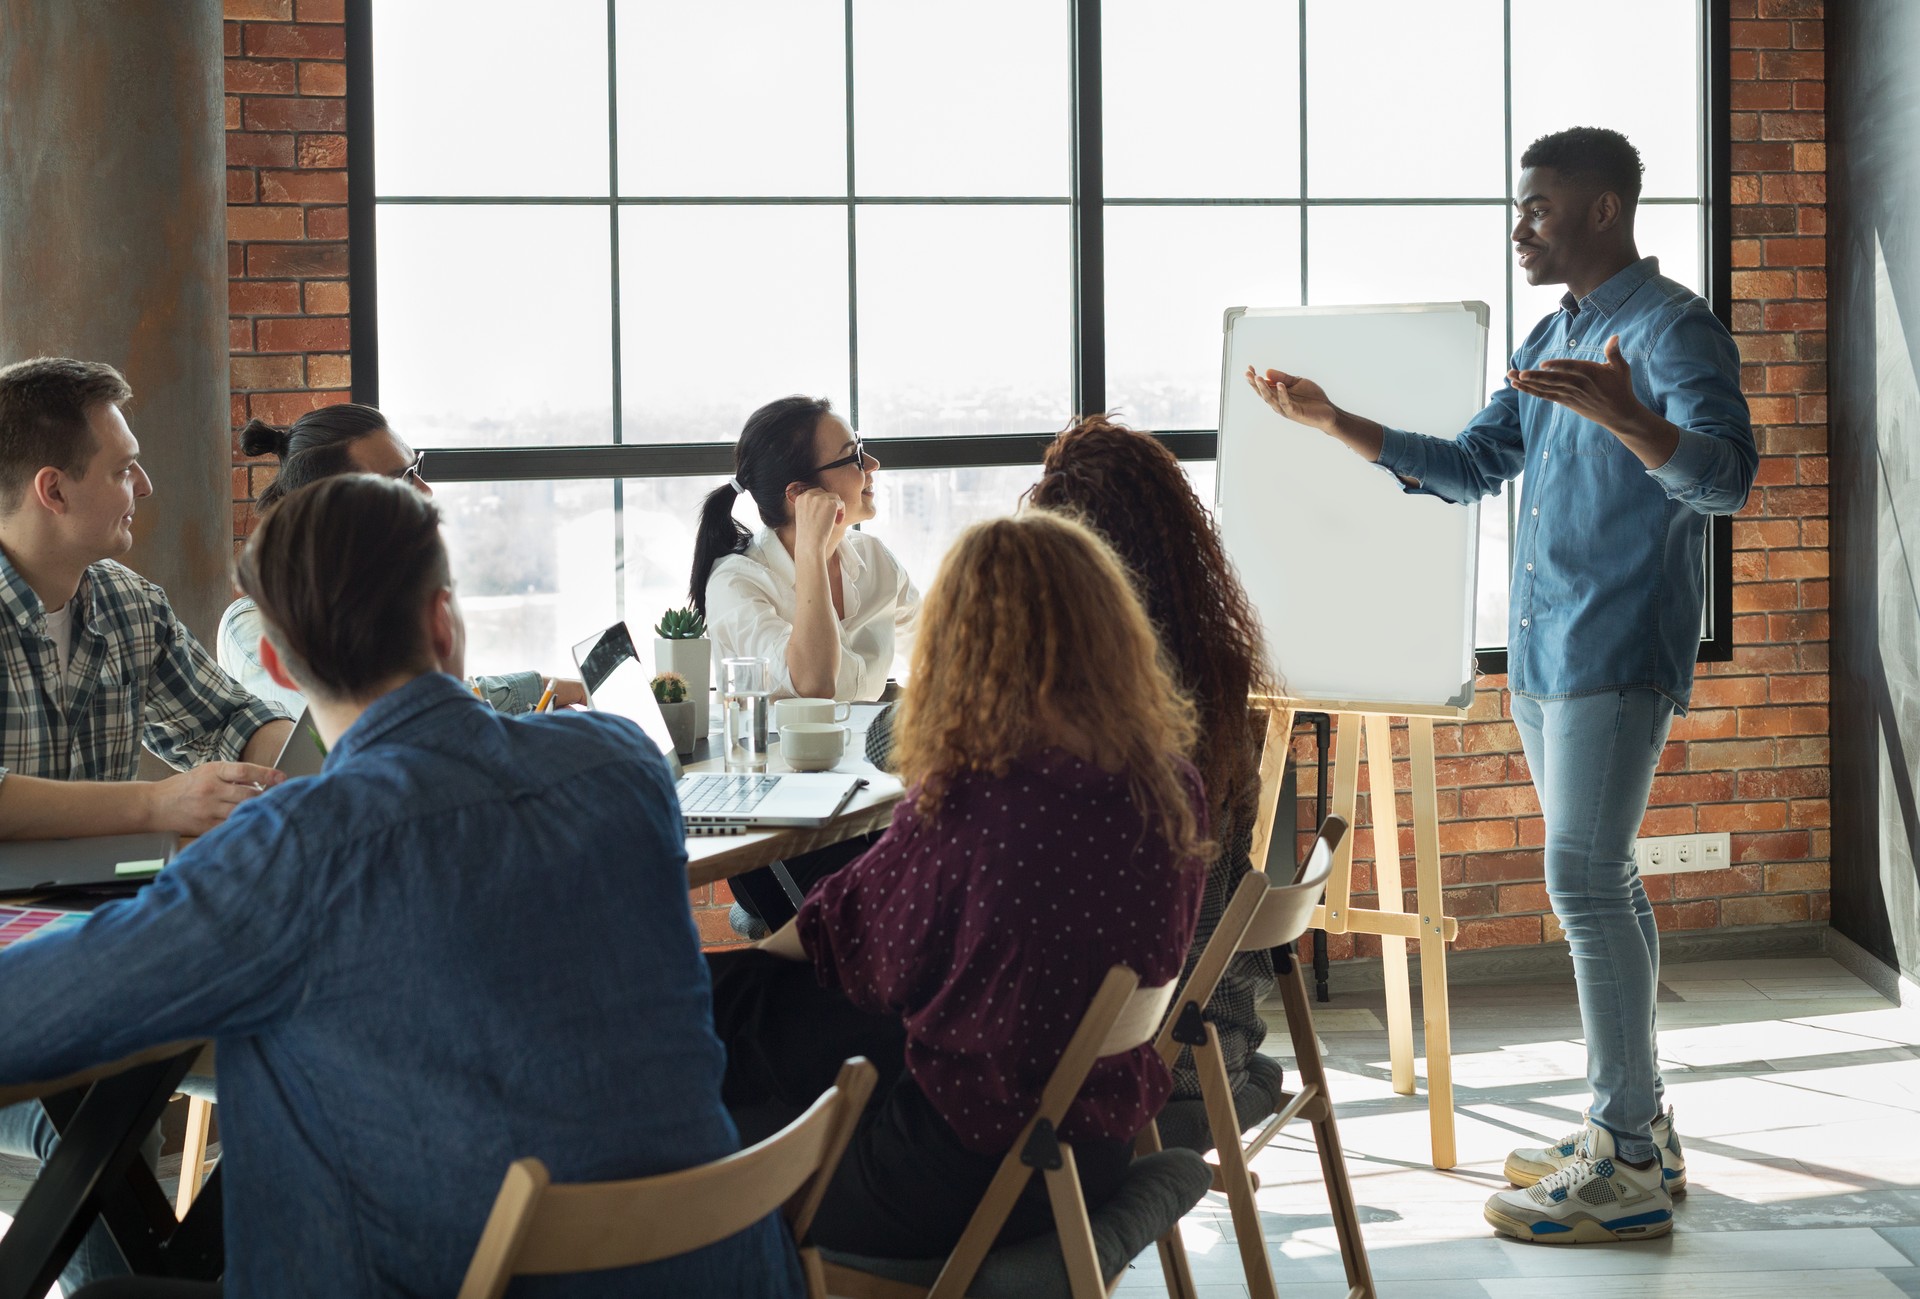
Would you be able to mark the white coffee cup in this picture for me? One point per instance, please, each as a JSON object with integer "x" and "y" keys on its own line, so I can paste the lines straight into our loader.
{"x": 812, "y": 746}
{"x": 788, "y": 711}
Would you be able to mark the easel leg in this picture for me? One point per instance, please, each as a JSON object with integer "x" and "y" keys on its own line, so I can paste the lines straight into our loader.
{"x": 1273, "y": 766}
{"x": 1346, "y": 794}
{"x": 1393, "y": 897}
{"x": 1433, "y": 944}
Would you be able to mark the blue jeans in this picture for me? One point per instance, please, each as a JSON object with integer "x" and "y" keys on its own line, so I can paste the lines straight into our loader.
{"x": 25, "y": 1129}
{"x": 1593, "y": 758}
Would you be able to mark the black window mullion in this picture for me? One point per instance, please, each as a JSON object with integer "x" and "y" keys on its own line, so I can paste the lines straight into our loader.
{"x": 1088, "y": 213}
{"x": 613, "y": 236}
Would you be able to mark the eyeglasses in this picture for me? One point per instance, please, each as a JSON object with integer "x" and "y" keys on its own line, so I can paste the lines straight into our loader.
{"x": 414, "y": 472}
{"x": 858, "y": 456}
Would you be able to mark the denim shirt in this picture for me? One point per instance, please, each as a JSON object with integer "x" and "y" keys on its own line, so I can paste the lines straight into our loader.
{"x": 466, "y": 941}
{"x": 1608, "y": 573}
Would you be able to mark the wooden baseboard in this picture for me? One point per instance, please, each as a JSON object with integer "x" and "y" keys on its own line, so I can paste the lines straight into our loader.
{"x": 1551, "y": 963}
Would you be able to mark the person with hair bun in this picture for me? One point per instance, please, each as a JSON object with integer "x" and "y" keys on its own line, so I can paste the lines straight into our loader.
{"x": 830, "y": 609}
{"x": 1038, "y": 846}
{"x": 347, "y": 438}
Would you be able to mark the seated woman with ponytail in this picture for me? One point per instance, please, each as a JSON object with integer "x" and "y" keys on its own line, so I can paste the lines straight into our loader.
{"x": 830, "y": 609}
{"x": 344, "y": 439}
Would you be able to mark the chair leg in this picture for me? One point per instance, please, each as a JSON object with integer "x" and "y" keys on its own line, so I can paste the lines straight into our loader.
{"x": 1075, "y": 1229}
{"x": 193, "y": 1154}
{"x": 1224, "y": 1122}
{"x": 1171, "y": 1247}
{"x": 1326, "y": 1131}
{"x": 816, "y": 1276}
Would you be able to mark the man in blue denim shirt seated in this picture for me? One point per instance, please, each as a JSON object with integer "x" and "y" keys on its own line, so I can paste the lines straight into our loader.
{"x": 1624, "y": 410}
{"x": 466, "y": 941}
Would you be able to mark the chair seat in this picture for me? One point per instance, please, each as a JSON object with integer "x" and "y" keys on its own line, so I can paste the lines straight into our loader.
{"x": 1183, "y": 1123}
{"x": 1155, "y": 1194}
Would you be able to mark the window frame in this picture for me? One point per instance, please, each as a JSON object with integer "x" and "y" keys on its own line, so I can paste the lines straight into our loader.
{"x": 1087, "y": 203}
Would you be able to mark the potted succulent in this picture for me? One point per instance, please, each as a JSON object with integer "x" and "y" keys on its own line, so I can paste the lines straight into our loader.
{"x": 681, "y": 713}
{"x": 681, "y": 645}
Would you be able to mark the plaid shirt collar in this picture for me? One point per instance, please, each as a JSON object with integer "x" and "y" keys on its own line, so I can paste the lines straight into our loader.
{"x": 24, "y": 605}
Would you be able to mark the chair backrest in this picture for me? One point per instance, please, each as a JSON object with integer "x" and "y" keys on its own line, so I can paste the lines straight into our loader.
{"x": 1286, "y": 908}
{"x": 540, "y": 1229}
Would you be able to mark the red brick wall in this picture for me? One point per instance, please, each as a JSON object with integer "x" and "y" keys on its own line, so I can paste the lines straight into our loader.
{"x": 1751, "y": 759}
{"x": 286, "y": 219}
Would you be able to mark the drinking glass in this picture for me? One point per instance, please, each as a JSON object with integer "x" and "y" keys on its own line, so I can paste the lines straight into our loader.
{"x": 743, "y": 706}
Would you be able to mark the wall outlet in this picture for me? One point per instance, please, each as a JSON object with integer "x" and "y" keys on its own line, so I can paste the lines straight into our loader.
{"x": 1674, "y": 853}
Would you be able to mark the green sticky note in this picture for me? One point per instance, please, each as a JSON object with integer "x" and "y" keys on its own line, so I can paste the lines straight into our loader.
{"x": 151, "y": 866}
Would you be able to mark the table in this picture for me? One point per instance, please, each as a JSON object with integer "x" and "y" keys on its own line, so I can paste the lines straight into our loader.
{"x": 103, "y": 1114}
{"x": 719, "y": 857}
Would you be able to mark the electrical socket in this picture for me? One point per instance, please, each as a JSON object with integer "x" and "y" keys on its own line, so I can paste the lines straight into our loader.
{"x": 1674, "y": 853}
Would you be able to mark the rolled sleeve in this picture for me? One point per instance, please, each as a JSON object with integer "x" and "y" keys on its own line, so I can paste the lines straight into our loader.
{"x": 195, "y": 712}
{"x": 1695, "y": 369}
{"x": 1488, "y": 453}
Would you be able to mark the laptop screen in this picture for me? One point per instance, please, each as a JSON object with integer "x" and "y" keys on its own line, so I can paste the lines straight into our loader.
{"x": 618, "y": 682}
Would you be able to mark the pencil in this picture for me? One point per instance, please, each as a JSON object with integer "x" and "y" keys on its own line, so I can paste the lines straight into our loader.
{"x": 546, "y": 699}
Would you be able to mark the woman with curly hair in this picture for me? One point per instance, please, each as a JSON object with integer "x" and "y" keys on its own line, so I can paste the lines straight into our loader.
{"x": 1129, "y": 488}
{"x": 1051, "y": 830}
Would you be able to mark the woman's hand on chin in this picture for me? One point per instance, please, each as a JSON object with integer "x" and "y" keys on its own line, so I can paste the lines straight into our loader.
{"x": 816, "y": 512}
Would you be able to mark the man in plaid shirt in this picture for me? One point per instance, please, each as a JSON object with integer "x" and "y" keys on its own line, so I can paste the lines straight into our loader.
{"x": 96, "y": 662}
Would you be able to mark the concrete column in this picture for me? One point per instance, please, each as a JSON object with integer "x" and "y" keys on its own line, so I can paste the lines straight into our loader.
{"x": 113, "y": 248}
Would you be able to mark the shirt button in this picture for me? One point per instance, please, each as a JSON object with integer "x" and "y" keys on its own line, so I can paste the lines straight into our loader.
{"x": 1573, "y": 342}
{"x": 1529, "y": 568}
{"x": 1523, "y": 622}
{"x": 1536, "y": 509}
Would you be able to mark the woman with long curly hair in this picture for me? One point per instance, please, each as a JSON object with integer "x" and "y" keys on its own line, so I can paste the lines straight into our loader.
{"x": 1129, "y": 488}
{"x": 1052, "y": 829}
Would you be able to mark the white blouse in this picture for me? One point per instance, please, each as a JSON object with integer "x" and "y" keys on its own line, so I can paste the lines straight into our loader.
{"x": 751, "y": 599}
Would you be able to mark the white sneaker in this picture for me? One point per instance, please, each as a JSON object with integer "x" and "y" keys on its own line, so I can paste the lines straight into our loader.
{"x": 1593, "y": 1198}
{"x": 1529, "y": 1164}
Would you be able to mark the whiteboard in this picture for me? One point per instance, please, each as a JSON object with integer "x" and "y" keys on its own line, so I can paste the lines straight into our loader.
{"x": 1366, "y": 592}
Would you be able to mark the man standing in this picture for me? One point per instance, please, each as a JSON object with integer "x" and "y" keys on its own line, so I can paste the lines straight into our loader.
{"x": 465, "y": 941}
{"x": 1624, "y": 411}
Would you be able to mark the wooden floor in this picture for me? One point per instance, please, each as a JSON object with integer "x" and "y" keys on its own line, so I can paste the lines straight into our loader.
{"x": 1797, "y": 1094}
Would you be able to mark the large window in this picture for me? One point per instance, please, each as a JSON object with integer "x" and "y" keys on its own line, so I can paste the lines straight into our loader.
{"x": 590, "y": 236}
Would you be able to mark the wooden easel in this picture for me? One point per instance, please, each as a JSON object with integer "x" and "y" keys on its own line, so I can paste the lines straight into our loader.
{"x": 1429, "y": 924}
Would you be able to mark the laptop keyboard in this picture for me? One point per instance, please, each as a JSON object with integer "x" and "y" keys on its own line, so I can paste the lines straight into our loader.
{"x": 720, "y": 795}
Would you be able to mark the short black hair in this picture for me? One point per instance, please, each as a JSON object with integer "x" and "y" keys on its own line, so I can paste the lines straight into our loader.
{"x": 340, "y": 570}
{"x": 43, "y": 418}
{"x": 1605, "y": 158}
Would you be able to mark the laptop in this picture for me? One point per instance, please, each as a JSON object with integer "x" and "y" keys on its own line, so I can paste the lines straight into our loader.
{"x": 304, "y": 752}
{"x": 31, "y": 866}
{"x": 619, "y": 681}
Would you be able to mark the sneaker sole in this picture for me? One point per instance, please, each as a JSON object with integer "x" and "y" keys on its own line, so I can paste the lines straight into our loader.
{"x": 1582, "y": 1230}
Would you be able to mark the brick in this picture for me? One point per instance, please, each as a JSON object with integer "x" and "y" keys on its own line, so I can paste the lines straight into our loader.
{"x": 1794, "y": 315}
{"x": 267, "y": 372}
{"x": 715, "y": 932}
{"x": 251, "y": 149}
{"x": 323, "y": 79}
{"x": 1798, "y": 877}
{"x": 1775, "y": 65}
{"x": 1501, "y": 931}
{"x": 1790, "y": 564}
{"x": 1659, "y": 888}
{"x": 1518, "y": 898}
{"x": 1813, "y": 470}
{"x": 1476, "y": 836}
{"x": 303, "y": 186}
{"x": 241, "y": 185}
{"x": 1461, "y": 903}
{"x": 239, "y": 334}
{"x": 1791, "y": 188}
{"x": 250, "y": 223}
{"x": 1764, "y": 534}
{"x": 1760, "y": 35}
{"x": 1810, "y": 35}
{"x": 230, "y": 34}
{"x": 1783, "y": 627}
{"x": 326, "y": 223}
{"x": 1692, "y": 788}
{"x": 326, "y": 298}
{"x": 1797, "y": 720}
{"x": 1815, "y": 595}
{"x": 1484, "y": 769}
{"x": 1772, "y": 156}
{"x": 272, "y": 11}
{"x": 1798, "y": 379}
{"x": 329, "y": 41}
{"x": 1793, "y": 126}
{"x": 1784, "y": 909}
{"x": 297, "y": 261}
{"x": 1550, "y": 930}
{"x": 329, "y": 372}
{"x": 1808, "y": 688}
{"x": 236, "y": 416}
{"x": 1531, "y": 832}
{"x": 1810, "y": 220}
{"x": 1716, "y": 817}
{"x": 1687, "y": 915}
{"x": 1499, "y": 867}
{"x": 1792, "y": 440}
{"x": 252, "y": 77}
{"x": 1746, "y": 315}
{"x": 1490, "y": 737}
{"x": 1762, "y": 284}
{"x": 263, "y": 297}
{"x": 1810, "y": 157}
{"x": 1754, "y": 219}
{"x": 1730, "y": 755}
{"x": 1791, "y": 9}
{"x": 1810, "y": 285}
{"x": 286, "y": 407}
{"x": 1745, "y": 254}
{"x": 1795, "y": 252}
{"x": 1797, "y": 500}
{"x": 1742, "y": 126}
{"x": 1811, "y": 410}
{"x": 1752, "y": 97}
{"x": 326, "y": 334}
{"x": 1810, "y": 814}
{"x": 1729, "y": 692}
{"x": 1783, "y": 845}
{"x": 1668, "y": 820}
{"x": 1710, "y": 724}
{"x": 1717, "y": 884}
{"x": 322, "y": 150}
{"x": 1772, "y": 410}
{"x": 1810, "y": 96}
{"x": 1803, "y": 751}
{"x": 1819, "y": 906}
{"x": 1758, "y": 597}
{"x": 331, "y": 115}
{"x": 331, "y": 11}
{"x": 231, "y": 111}
{"x": 1501, "y": 800}
{"x": 1813, "y": 532}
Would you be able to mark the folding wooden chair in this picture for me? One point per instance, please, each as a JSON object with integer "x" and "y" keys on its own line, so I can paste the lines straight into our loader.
{"x": 193, "y": 1153}
{"x": 539, "y": 1229}
{"x": 1122, "y": 1016}
{"x": 1262, "y": 914}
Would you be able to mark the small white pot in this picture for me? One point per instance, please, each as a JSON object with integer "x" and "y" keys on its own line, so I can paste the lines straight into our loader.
{"x": 692, "y": 659}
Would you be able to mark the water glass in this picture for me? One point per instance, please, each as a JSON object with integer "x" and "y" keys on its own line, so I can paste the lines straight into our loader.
{"x": 743, "y": 713}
